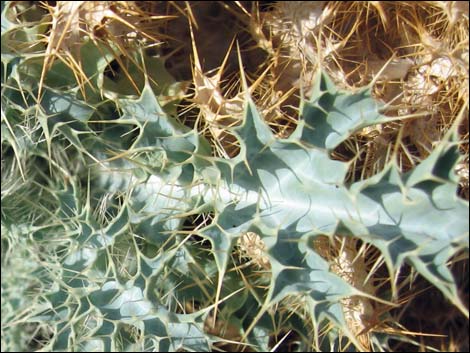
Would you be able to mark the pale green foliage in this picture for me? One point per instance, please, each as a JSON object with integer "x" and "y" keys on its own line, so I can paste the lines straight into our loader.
{"x": 108, "y": 262}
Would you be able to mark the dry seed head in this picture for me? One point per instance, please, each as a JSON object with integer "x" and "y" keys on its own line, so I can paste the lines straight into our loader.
{"x": 253, "y": 247}
{"x": 353, "y": 264}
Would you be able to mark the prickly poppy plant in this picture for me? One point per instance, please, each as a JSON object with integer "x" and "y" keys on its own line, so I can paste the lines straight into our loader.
{"x": 121, "y": 228}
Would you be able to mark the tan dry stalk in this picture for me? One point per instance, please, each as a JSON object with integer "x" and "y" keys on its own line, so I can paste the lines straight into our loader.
{"x": 354, "y": 266}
